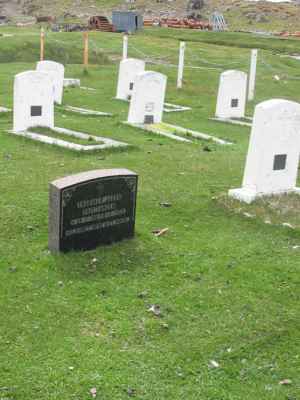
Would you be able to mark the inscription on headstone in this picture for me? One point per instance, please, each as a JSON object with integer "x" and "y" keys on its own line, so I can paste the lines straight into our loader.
{"x": 92, "y": 208}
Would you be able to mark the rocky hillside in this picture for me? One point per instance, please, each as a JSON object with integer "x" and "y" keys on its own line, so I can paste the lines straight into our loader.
{"x": 240, "y": 14}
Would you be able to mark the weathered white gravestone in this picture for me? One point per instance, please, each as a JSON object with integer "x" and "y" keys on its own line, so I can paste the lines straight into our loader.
{"x": 273, "y": 155}
{"x": 147, "y": 102}
{"x": 57, "y": 73}
{"x": 33, "y": 100}
{"x": 232, "y": 94}
{"x": 128, "y": 70}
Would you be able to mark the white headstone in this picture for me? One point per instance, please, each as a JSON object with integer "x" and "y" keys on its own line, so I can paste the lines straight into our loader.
{"x": 147, "y": 102}
{"x": 57, "y": 73}
{"x": 273, "y": 154}
{"x": 33, "y": 100}
{"x": 232, "y": 94}
{"x": 128, "y": 70}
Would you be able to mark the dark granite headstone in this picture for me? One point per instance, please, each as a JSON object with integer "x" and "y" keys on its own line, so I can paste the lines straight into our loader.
{"x": 92, "y": 208}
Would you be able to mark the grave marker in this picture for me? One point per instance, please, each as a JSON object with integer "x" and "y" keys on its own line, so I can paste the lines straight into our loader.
{"x": 232, "y": 94}
{"x": 147, "y": 102}
{"x": 128, "y": 70}
{"x": 57, "y": 74}
{"x": 92, "y": 208}
{"x": 273, "y": 154}
{"x": 33, "y": 101}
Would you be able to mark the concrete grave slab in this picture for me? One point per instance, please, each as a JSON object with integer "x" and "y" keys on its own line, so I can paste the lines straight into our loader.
{"x": 70, "y": 82}
{"x": 273, "y": 154}
{"x": 5, "y": 110}
{"x": 170, "y": 131}
{"x": 57, "y": 73}
{"x": 105, "y": 142}
{"x": 169, "y": 107}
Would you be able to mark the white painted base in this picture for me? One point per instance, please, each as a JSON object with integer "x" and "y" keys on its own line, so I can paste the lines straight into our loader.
{"x": 85, "y": 111}
{"x": 248, "y": 196}
{"x": 105, "y": 142}
{"x": 71, "y": 82}
{"x": 232, "y": 121}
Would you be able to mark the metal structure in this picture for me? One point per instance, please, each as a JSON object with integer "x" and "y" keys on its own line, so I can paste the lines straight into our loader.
{"x": 217, "y": 21}
{"x": 127, "y": 21}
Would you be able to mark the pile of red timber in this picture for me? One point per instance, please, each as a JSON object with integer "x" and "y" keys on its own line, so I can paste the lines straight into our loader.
{"x": 186, "y": 23}
{"x": 100, "y": 23}
{"x": 285, "y": 34}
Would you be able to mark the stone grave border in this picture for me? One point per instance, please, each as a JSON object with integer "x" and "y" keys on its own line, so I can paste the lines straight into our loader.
{"x": 170, "y": 107}
{"x": 71, "y": 82}
{"x": 233, "y": 121}
{"x": 86, "y": 111}
{"x": 5, "y": 110}
{"x": 188, "y": 132}
{"x": 106, "y": 143}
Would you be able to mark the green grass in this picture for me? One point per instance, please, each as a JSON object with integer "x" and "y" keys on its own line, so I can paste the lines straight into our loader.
{"x": 228, "y": 286}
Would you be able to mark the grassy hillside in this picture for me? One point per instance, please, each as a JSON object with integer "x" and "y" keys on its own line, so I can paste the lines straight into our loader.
{"x": 239, "y": 14}
{"x": 227, "y": 284}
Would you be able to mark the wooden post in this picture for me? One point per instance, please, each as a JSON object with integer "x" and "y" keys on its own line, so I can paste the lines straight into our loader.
{"x": 180, "y": 65}
{"x": 125, "y": 46}
{"x": 42, "y": 45}
{"x": 85, "y": 49}
{"x": 252, "y": 75}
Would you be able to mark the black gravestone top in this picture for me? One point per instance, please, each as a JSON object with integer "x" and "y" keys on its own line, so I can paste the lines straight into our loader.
{"x": 92, "y": 208}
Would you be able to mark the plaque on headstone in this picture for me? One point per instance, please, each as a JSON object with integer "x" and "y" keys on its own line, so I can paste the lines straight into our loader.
{"x": 92, "y": 208}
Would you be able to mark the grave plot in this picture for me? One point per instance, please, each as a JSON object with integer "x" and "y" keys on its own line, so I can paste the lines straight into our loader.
{"x": 57, "y": 73}
{"x": 5, "y": 110}
{"x": 169, "y": 107}
{"x": 71, "y": 82}
{"x": 83, "y": 142}
{"x": 231, "y": 99}
{"x": 128, "y": 71}
{"x": 86, "y": 111}
{"x": 34, "y": 111}
{"x": 146, "y": 110}
{"x": 273, "y": 154}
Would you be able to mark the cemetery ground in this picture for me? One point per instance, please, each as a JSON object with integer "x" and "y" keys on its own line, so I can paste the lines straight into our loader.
{"x": 209, "y": 310}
